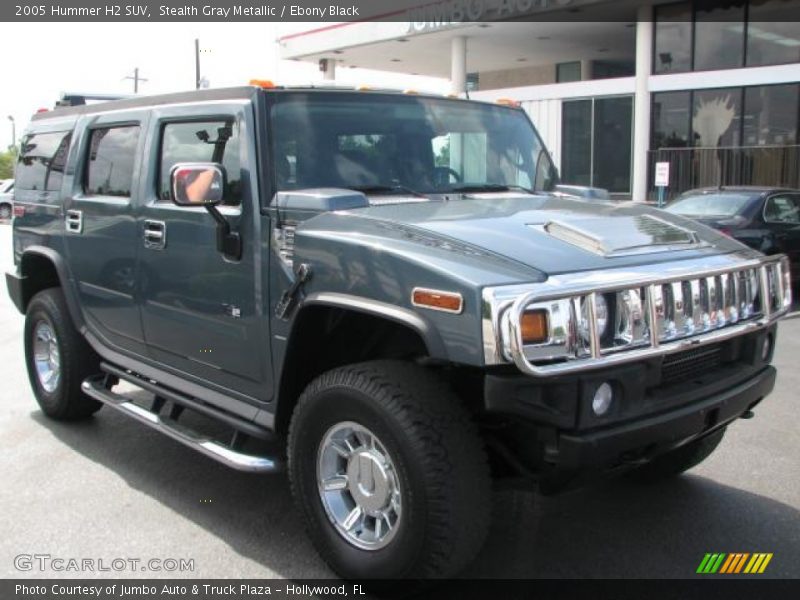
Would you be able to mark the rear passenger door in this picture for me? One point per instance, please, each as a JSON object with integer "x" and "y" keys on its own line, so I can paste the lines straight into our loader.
{"x": 199, "y": 308}
{"x": 100, "y": 225}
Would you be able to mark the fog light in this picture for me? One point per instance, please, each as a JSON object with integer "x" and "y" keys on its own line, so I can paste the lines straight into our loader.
{"x": 766, "y": 348}
{"x": 603, "y": 396}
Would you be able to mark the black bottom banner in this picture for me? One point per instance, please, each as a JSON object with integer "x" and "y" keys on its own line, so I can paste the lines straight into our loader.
{"x": 279, "y": 589}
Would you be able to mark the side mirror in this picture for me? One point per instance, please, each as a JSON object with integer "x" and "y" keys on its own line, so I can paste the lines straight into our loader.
{"x": 203, "y": 184}
{"x": 197, "y": 184}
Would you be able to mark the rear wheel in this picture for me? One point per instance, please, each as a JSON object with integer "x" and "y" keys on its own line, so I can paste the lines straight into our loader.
{"x": 389, "y": 472}
{"x": 5, "y": 212}
{"x": 679, "y": 460}
{"x": 58, "y": 358}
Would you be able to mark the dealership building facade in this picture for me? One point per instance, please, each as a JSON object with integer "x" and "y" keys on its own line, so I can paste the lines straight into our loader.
{"x": 613, "y": 87}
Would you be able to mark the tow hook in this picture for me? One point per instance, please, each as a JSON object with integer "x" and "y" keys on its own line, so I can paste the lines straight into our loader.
{"x": 748, "y": 414}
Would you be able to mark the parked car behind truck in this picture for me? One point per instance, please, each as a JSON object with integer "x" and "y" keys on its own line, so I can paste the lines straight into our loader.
{"x": 379, "y": 292}
{"x": 6, "y": 199}
{"x": 764, "y": 218}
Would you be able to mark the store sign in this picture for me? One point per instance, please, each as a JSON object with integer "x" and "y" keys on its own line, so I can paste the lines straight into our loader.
{"x": 440, "y": 15}
{"x": 662, "y": 174}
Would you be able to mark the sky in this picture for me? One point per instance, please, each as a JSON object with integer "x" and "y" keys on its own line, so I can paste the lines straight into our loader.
{"x": 41, "y": 60}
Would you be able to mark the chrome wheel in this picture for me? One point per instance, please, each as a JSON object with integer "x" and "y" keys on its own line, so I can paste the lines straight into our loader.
{"x": 359, "y": 486}
{"x": 46, "y": 356}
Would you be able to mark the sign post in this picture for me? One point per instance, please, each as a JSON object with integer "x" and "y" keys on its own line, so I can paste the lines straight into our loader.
{"x": 662, "y": 181}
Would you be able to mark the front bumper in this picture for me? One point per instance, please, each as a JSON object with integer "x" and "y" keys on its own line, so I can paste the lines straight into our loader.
{"x": 643, "y": 439}
{"x": 549, "y": 431}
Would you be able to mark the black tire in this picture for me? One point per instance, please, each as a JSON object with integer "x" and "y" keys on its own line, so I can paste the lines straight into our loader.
{"x": 66, "y": 402}
{"x": 439, "y": 460}
{"x": 677, "y": 461}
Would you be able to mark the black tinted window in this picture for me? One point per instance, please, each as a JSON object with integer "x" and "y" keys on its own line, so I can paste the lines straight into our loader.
{"x": 202, "y": 141}
{"x": 41, "y": 161}
{"x": 783, "y": 209}
{"x": 112, "y": 155}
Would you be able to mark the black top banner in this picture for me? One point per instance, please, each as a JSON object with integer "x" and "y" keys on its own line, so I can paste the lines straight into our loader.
{"x": 437, "y": 12}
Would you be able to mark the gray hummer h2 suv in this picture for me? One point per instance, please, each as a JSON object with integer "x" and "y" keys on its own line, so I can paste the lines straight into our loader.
{"x": 382, "y": 293}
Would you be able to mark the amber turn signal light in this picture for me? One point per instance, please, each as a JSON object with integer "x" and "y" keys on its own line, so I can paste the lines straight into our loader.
{"x": 437, "y": 300}
{"x": 534, "y": 327}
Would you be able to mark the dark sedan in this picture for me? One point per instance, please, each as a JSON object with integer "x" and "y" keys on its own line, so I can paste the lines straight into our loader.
{"x": 767, "y": 219}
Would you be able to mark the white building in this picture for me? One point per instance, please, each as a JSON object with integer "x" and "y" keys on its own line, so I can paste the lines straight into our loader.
{"x": 713, "y": 87}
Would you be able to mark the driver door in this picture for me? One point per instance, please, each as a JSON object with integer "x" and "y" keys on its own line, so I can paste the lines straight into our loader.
{"x": 199, "y": 307}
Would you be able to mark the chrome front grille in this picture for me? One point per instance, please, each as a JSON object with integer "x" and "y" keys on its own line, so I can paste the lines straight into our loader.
{"x": 646, "y": 314}
{"x": 685, "y": 308}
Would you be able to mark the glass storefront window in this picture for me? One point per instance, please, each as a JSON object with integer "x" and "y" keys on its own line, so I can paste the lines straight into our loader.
{"x": 596, "y": 143}
{"x": 671, "y": 120}
{"x": 710, "y": 34}
{"x": 773, "y": 33}
{"x": 612, "y": 144}
{"x": 673, "y": 31}
{"x": 568, "y": 71}
{"x": 718, "y": 35}
{"x": 576, "y": 140}
{"x": 770, "y": 115}
{"x": 716, "y": 117}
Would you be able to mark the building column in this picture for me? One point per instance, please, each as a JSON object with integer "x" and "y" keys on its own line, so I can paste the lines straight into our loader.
{"x": 641, "y": 104}
{"x": 458, "y": 65}
{"x": 328, "y": 68}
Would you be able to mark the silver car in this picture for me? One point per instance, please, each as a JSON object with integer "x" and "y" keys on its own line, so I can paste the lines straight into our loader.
{"x": 6, "y": 199}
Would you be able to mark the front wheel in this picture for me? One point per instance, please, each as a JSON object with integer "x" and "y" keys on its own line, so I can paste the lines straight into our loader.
{"x": 389, "y": 472}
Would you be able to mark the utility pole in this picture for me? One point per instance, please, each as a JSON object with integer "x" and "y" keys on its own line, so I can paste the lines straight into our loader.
{"x": 136, "y": 80}
{"x": 196, "y": 63}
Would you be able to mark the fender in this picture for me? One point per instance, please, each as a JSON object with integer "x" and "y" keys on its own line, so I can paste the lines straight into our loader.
{"x": 429, "y": 334}
{"x": 64, "y": 277}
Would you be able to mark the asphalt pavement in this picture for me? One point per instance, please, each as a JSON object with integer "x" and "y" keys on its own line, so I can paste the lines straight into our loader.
{"x": 111, "y": 488}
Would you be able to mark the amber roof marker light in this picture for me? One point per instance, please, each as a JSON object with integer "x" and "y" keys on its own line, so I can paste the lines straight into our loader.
{"x": 265, "y": 84}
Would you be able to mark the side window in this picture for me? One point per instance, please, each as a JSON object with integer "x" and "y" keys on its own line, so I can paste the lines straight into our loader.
{"x": 783, "y": 209}
{"x": 202, "y": 141}
{"x": 112, "y": 155}
{"x": 41, "y": 161}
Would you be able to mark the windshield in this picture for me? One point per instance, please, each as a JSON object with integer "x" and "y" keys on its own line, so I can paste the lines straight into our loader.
{"x": 716, "y": 205}
{"x": 403, "y": 144}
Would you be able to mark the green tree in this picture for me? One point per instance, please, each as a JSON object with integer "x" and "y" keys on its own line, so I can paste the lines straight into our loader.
{"x": 7, "y": 161}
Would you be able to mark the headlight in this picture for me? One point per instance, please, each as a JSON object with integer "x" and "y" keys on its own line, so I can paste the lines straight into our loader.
{"x": 601, "y": 313}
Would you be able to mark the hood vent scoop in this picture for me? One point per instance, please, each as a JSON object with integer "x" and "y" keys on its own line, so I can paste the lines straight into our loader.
{"x": 622, "y": 236}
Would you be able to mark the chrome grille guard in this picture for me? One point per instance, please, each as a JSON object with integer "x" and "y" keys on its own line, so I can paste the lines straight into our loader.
{"x": 656, "y": 309}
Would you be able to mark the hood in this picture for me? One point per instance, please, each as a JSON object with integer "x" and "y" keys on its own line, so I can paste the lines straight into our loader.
{"x": 557, "y": 235}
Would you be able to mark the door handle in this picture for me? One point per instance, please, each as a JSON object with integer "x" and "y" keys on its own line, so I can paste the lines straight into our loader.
{"x": 155, "y": 235}
{"x": 74, "y": 221}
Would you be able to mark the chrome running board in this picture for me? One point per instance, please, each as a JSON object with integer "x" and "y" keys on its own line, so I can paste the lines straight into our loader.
{"x": 95, "y": 387}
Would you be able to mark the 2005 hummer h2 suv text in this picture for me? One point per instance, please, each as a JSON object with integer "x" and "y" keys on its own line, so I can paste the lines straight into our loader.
{"x": 383, "y": 293}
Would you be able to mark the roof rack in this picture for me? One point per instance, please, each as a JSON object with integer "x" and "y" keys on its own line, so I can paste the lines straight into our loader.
{"x": 81, "y": 99}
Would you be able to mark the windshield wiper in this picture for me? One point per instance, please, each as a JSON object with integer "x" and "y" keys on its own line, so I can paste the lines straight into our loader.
{"x": 377, "y": 189}
{"x": 490, "y": 187}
